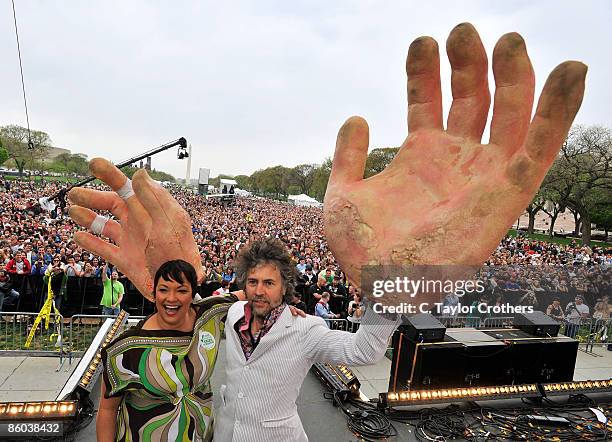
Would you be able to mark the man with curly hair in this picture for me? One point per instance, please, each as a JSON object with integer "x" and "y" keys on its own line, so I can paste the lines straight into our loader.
{"x": 269, "y": 351}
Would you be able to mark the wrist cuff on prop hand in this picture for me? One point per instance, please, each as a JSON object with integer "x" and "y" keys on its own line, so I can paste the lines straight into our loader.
{"x": 97, "y": 225}
{"x": 126, "y": 190}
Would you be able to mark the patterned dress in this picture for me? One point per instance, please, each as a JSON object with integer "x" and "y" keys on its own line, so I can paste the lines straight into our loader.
{"x": 163, "y": 377}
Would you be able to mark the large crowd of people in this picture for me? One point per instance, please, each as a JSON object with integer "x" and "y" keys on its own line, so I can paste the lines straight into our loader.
{"x": 568, "y": 282}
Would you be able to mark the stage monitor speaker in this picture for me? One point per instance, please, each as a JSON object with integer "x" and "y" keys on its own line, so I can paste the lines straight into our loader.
{"x": 537, "y": 324}
{"x": 423, "y": 327}
{"x": 470, "y": 357}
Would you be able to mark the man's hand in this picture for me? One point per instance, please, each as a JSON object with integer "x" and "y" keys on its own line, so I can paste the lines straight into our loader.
{"x": 445, "y": 198}
{"x": 140, "y": 246}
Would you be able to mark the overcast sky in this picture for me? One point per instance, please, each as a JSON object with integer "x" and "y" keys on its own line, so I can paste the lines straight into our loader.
{"x": 261, "y": 83}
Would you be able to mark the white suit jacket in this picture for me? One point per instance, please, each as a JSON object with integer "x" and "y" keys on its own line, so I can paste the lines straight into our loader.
{"x": 258, "y": 403}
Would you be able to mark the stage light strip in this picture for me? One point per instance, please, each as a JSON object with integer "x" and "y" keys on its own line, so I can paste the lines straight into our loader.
{"x": 93, "y": 370}
{"x": 576, "y": 387}
{"x": 38, "y": 410}
{"x": 82, "y": 374}
{"x": 445, "y": 395}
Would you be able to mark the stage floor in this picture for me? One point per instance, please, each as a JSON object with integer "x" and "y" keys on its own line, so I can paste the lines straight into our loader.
{"x": 35, "y": 378}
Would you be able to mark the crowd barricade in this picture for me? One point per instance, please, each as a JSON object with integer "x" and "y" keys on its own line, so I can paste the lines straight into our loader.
{"x": 476, "y": 321}
{"x": 598, "y": 334}
{"x": 447, "y": 321}
{"x": 589, "y": 332}
{"x": 337, "y": 324}
{"x": 342, "y": 325}
{"x": 15, "y": 327}
{"x": 82, "y": 296}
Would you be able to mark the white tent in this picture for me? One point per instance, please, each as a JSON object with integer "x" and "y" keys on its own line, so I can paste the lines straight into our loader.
{"x": 303, "y": 200}
{"x": 241, "y": 192}
{"x": 227, "y": 182}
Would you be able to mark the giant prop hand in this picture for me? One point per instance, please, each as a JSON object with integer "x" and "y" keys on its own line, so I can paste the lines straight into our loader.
{"x": 445, "y": 198}
{"x": 151, "y": 226}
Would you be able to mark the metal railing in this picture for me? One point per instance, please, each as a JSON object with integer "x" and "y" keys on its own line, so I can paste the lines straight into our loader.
{"x": 63, "y": 338}
{"x": 589, "y": 332}
{"x": 476, "y": 321}
{"x": 47, "y": 340}
{"x": 342, "y": 324}
{"x": 447, "y": 321}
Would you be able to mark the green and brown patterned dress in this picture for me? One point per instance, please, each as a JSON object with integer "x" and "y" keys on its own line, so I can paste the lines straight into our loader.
{"x": 163, "y": 377}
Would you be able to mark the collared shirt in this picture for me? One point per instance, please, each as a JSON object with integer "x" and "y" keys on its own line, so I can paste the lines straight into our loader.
{"x": 248, "y": 341}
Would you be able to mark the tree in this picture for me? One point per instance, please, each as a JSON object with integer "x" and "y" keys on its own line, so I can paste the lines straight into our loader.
{"x": 321, "y": 177}
{"x": 161, "y": 176}
{"x": 15, "y": 138}
{"x": 533, "y": 208}
{"x": 3, "y": 154}
{"x": 78, "y": 165}
{"x": 70, "y": 163}
{"x": 601, "y": 214}
{"x": 63, "y": 159}
{"x": 555, "y": 189}
{"x": 378, "y": 159}
{"x": 587, "y": 158}
{"x": 272, "y": 181}
{"x": 302, "y": 177}
{"x": 243, "y": 181}
{"x": 577, "y": 221}
{"x": 155, "y": 174}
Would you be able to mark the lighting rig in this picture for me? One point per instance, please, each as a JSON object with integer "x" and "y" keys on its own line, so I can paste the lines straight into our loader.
{"x": 72, "y": 408}
{"x": 38, "y": 410}
{"x": 338, "y": 378}
{"x": 446, "y": 395}
{"x": 86, "y": 373}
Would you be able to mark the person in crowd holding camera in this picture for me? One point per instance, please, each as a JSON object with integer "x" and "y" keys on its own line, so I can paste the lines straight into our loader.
{"x": 601, "y": 310}
{"x": 38, "y": 268}
{"x": 88, "y": 271}
{"x": 309, "y": 277}
{"x": 72, "y": 268}
{"x": 574, "y": 313}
